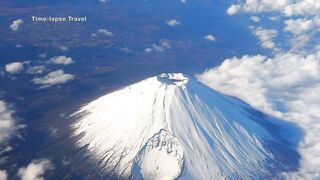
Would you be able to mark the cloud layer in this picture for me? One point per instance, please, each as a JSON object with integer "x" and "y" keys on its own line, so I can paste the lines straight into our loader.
{"x": 285, "y": 7}
{"x": 301, "y": 19}
{"x": 287, "y": 86}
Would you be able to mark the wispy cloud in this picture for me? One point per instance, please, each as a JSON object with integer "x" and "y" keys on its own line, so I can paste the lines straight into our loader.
{"x": 266, "y": 37}
{"x": 158, "y": 47}
{"x": 36, "y": 69}
{"x": 105, "y": 32}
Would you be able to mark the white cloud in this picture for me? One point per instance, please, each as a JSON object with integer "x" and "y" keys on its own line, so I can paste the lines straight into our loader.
{"x": 274, "y": 18}
{"x": 287, "y": 86}
{"x": 232, "y": 10}
{"x": 158, "y": 47}
{"x": 263, "y": 5}
{"x": 61, "y": 60}
{"x": 148, "y": 50}
{"x": 63, "y": 48}
{"x": 3, "y": 175}
{"x": 36, "y": 69}
{"x": 8, "y": 126}
{"x": 5, "y": 148}
{"x": 54, "y": 132}
{"x": 302, "y": 7}
{"x": 43, "y": 55}
{"x": 305, "y": 14}
{"x": 209, "y": 37}
{"x": 255, "y": 18}
{"x": 173, "y": 22}
{"x": 183, "y": 1}
{"x": 284, "y": 7}
{"x": 53, "y": 78}
{"x": 35, "y": 170}
{"x": 8, "y": 129}
{"x": 266, "y": 37}
{"x": 16, "y": 24}
{"x": 304, "y": 23}
{"x": 126, "y": 49}
{"x": 105, "y": 32}
{"x": 14, "y": 67}
{"x": 303, "y": 30}
{"x": 165, "y": 44}
{"x": 301, "y": 25}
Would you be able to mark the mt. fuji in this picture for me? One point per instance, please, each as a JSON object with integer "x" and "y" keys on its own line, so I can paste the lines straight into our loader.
{"x": 173, "y": 127}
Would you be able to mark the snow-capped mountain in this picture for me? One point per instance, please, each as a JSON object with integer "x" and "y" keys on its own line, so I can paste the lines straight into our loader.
{"x": 171, "y": 126}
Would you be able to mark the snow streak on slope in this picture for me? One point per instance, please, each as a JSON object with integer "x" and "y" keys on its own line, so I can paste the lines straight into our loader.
{"x": 170, "y": 125}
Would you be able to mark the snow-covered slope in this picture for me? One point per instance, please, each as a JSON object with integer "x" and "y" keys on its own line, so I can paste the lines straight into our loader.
{"x": 171, "y": 126}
